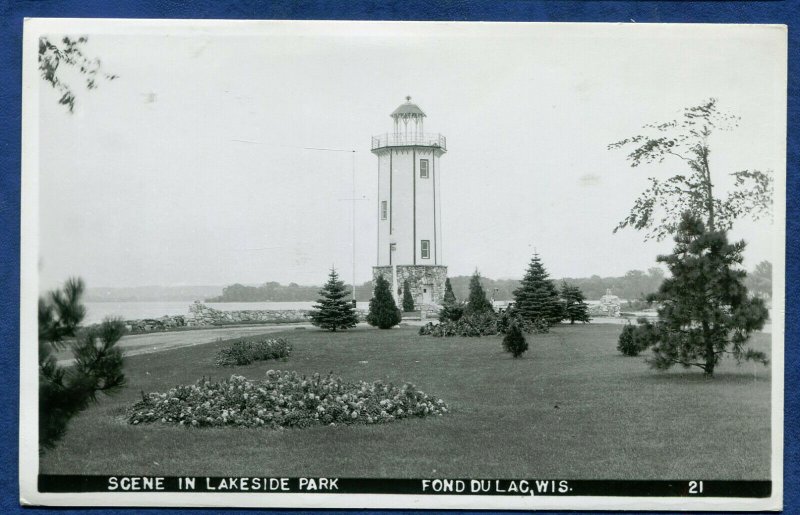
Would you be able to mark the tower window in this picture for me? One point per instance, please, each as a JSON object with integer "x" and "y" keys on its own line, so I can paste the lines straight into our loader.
{"x": 423, "y": 168}
{"x": 384, "y": 209}
{"x": 425, "y": 249}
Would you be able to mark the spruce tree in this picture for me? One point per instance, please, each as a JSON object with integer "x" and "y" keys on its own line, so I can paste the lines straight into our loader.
{"x": 333, "y": 310}
{"x": 383, "y": 312}
{"x": 537, "y": 297}
{"x": 704, "y": 310}
{"x": 452, "y": 310}
{"x": 408, "y": 300}
{"x": 66, "y": 391}
{"x": 514, "y": 341}
{"x": 574, "y": 306}
{"x": 477, "y": 302}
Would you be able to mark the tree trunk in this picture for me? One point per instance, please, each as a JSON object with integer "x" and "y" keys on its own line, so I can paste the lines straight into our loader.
{"x": 709, "y": 351}
{"x": 709, "y": 191}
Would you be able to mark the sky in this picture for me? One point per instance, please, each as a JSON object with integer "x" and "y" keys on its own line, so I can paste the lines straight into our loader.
{"x": 197, "y": 165}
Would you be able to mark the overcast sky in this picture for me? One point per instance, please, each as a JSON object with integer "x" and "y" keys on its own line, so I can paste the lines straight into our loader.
{"x": 193, "y": 167}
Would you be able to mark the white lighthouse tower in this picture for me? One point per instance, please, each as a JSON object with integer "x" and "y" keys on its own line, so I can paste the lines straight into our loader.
{"x": 409, "y": 207}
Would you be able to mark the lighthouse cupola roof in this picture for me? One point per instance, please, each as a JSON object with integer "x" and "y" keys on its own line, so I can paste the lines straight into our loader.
{"x": 408, "y": 110}
{"x": 408, "y": 131}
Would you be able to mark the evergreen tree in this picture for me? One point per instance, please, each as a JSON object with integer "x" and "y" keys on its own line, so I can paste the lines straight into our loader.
{"x": 408, "y": 300}
{"x": 333, "y": 311}
{"x": 449, "y": 296}
{"x": 477, "y": 302}
{"x": 537, "y": 297}
{"x": 452, "y": 310}
{"x": 66, "y": 391}
{"x": 514, "y": 341}
{"x": 704, "y": 310}
{"x": 574, "y": 306}
{"x": 383, "y": 312}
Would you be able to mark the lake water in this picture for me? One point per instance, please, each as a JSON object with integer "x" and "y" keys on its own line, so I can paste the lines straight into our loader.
{"x": 97, "y": 311}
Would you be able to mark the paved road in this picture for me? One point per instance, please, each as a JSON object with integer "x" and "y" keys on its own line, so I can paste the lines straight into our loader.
{"x": 135, "y": 344}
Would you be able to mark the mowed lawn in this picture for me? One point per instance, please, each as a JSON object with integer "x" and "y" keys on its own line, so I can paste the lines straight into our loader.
{"x": 572, "y": 407}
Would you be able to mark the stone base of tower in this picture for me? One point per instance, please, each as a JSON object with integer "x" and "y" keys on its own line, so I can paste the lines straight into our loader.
{"x": 426, "y": 282}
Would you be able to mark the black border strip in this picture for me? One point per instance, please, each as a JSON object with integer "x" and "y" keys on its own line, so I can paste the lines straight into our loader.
{"x": 52, "y": 483}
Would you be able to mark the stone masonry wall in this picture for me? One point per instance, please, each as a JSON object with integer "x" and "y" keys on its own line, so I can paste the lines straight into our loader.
{"x": 200, "y": 315}
{"x": 417, "y": 275}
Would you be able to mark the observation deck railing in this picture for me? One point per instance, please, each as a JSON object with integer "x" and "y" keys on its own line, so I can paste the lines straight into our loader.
{"x": 405, "y": 140}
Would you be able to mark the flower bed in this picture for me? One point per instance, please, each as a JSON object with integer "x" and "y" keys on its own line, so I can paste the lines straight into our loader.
{"x": 245, "y": 351}
{"x": 284, "y": 399}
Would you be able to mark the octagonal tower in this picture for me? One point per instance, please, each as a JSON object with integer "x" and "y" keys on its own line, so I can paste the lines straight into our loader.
{"x": 409, "y": 207}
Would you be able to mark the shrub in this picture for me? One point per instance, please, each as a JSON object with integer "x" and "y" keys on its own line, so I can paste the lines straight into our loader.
{"x": 539, "y": 326}
{"x": 514, "y": 341}
{"x": 474, "y": 324}
{"x": 626, "y": 342}
{"x": 510, "y": 316}
{"x": 283, "y": 399}
{"x": 486, "y": 323}
{"x": 635, "y": 338}
{"x": 439, "y": 330}
{"x": 408, "y": 300}
{"x": 383, "y": 312}
{"x": 482, "y": 323}
{"x": 245, "y": 351}
{"x": 451, "y": 312}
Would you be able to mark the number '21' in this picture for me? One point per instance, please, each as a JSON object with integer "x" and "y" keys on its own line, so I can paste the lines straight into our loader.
{"x": 695, "y": 487}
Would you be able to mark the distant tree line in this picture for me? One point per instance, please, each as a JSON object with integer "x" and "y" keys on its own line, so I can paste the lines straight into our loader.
{"x": 634, "y": 285}
{"x": 276, "y": 292}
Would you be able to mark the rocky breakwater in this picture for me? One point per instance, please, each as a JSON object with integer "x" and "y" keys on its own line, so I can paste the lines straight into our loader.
{"x": 201, "y": 315}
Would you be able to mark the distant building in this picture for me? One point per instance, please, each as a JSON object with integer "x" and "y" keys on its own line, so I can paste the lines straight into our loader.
{"x": 409, "y": 207}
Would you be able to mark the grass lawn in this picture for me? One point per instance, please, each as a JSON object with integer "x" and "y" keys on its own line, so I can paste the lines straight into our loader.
{"x": 572, "y": 407}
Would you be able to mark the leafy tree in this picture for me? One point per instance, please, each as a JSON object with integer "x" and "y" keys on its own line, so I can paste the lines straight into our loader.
{"x": 66, "y": 391}
{"x": 69, "y": 52}
{"x": 408, "y": 300}
{"x": 659, "y": 208}
{"x": 449, "y": 296}
{"x": 333, "y": 311}
{"x": 537, "y": 297}
{"x": 477, "y": 301}
{"x": 574, "y": 306}
{"x": 704, "y": 310}
{"x": 759, "y": 281}
{"x": 383, "y": 312}
{"x": 514, "y": 341}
